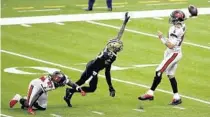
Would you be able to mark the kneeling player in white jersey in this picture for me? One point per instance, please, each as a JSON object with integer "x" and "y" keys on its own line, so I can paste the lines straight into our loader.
{"x": 38, "y": 88}
{"x": 172, "y": 56}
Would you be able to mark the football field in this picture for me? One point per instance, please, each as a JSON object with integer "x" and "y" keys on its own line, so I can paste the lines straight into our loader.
{"x": 59, "y": 34}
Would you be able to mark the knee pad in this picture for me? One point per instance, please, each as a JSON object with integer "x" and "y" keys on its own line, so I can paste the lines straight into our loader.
{"x": 158, "y": 77}
{"x": 158, "y": 74}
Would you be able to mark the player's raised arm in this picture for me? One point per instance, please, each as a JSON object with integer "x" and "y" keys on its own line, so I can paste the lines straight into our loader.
{"x": 123, "y": 26}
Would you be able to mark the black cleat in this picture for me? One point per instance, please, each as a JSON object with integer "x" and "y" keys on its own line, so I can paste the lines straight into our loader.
{"x": 109, "y": 9}
{"x": 88, "y": 9}
{"x": 67, "y": 101}
{"x": 175, "y": 102}
{"x": 146, "y": 97}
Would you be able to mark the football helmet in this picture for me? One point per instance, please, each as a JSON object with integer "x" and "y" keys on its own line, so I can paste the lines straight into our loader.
{"x": 57, "y": 76}
{"x": 114, "y": 45}
{"x": 177, "y": 17}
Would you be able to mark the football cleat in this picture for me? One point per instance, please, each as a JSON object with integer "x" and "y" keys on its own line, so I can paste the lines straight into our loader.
{"x": 14, "y": 100}
{"x": 109, "y": 9}
{"x": 88, "y": 9}
{"x": 67, "y": 101}
{"x": 30, "y": 111}
{"x": 146, "y": 97}
{"x": 175, "y": 102}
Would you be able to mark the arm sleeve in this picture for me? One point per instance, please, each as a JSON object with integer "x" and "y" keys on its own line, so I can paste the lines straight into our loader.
{"x": 108, "y": 76}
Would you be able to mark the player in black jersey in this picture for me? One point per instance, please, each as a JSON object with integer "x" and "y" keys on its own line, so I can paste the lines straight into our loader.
{"x": 103, "y": 61}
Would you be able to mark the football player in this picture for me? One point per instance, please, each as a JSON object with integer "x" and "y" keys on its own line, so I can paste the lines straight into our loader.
{"x": 172, "y": 56}
{"x": 103, "y": 61}
{"x": 91, "y": 3}
{"x": 38, "y": 88}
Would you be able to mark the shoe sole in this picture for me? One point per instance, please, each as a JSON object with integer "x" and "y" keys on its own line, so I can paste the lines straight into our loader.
{"x": 150, "y": 99}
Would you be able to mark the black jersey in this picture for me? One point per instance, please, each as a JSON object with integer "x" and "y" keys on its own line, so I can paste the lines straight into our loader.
{"x": 103, "y": 60}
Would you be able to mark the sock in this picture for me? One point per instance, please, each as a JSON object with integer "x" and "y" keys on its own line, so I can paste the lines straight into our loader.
{"x": 109, "y": 3}
{"x": 176, "y": 96}
{"x": 90, "y": 4}
{"x": 156, "y": 81}
{"x": 150, "y": 92}
{"x": 174, "y": 85}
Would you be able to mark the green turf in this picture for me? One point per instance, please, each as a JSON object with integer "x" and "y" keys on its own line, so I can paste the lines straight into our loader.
{"x": 79, "y": 42}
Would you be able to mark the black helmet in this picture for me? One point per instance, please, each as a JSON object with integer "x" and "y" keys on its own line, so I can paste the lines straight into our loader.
{"x": 177, "y": 17}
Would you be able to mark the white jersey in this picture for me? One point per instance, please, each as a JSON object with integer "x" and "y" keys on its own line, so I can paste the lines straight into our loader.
{"x": 176, "y": 36}
{"x": 46, "y": 84}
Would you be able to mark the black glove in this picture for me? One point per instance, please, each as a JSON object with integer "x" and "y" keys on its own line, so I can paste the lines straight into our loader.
{"x": 126, "y": 18}
{"x": 111, "y": 91}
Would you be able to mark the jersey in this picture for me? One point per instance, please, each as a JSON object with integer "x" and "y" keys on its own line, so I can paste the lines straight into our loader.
{"x": 103, "y": 60}
{"x": 176, "y": 37}
{"x": 46, "y": 84}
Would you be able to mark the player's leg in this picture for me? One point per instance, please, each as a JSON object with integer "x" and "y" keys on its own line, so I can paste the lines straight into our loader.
{"x": 41, "y": 103}
{"x": 15, "y": 100}
{"x": 109, "y": 5}
{"x": 90, "y": 5}
{"x": 149, "y": 95}
{"x": 92, "y": 85}
{"x": 33, "y": 94}
{"x": 170, "y": 72}
{"x": 70, "y": 91}
{"x": 168, "y": 59}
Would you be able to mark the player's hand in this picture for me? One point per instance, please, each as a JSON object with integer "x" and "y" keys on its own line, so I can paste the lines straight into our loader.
{"x": 126, "y": 18}
{"x": 111, "y": 91}
{"x": 160, "y": 34}
{"x": 83, "y": 93}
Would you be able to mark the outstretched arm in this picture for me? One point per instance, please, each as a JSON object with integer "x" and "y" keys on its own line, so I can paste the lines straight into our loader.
{"x": 109, "y": 81}
{"x": 123, "y": 26}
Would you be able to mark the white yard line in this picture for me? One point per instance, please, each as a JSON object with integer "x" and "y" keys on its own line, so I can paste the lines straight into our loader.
{"x": 59, "y": 23}
{"x": 40, "y": 10}
{"x": 139, "y": 110}
{"x": 146, "y": 34}
{"x": 158, "y": 18}
{"x": 99, "y": 113}
{"x": 55, "y": 115}
{"x": 121, "y": 6}
{"x": 3, "y": 115}
{"x": 62, "y": 6}
{"x": 208, "y": 1}
{"x": 178, "y": 107}
{"x": 144, "y": 2}
{"x": 119, "y": 3}
{"x": 115, "y": 79}
{"x": 160, "y": 4}
{"x": 25, "y": 25}
{"x": 92, "y": 16}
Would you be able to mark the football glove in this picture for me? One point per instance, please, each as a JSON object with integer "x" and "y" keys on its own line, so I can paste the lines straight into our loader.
{"x": 111, "y": 91}
{"x": 126, "y": 18}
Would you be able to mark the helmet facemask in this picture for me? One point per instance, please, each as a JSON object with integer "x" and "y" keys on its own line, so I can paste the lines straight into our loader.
{"x": 115, "y": 45}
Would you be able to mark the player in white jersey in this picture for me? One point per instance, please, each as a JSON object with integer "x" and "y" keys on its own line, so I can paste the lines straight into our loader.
{"x": 38, "y": 88}
{"x": 172, "y": 56}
